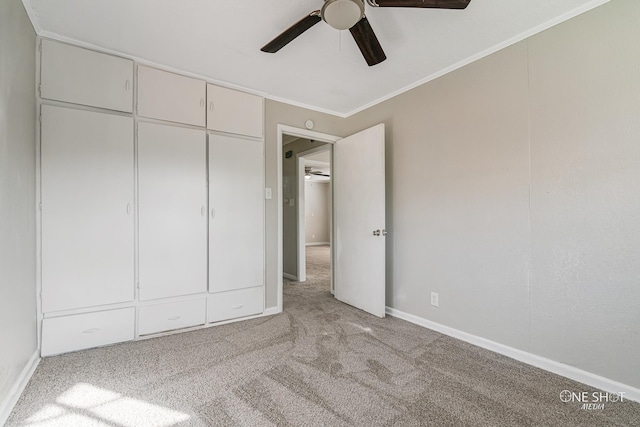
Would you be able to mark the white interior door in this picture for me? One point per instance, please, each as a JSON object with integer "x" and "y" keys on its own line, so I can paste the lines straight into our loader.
{"x": 359, "y": 218}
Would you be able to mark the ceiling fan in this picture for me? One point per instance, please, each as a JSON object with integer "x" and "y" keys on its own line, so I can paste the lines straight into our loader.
{"x": 349, "y": 14}
{"x": 308, "y": 171}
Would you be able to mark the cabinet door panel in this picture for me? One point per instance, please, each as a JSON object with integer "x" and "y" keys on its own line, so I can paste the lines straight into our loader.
{"x": 236, "y": 199}
{"x": 171, "y": 97}
{"x": 172, "y": 203}
{"x": 80, "y": 76}
{"x": 234, "y": 112}
{"x": 87, "y": 209}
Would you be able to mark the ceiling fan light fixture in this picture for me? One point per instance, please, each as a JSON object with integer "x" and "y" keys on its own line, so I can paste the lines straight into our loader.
{"x": 342, "y": 14}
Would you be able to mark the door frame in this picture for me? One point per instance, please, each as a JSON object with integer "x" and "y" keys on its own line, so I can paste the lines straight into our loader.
{"x": 301, "y": 208}
{"x": 281, "y": 130}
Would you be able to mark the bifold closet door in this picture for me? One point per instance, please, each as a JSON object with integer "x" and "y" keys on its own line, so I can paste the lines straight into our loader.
{"x": 172, "y": 211}
{"x": 87, "y": 209}
{"x": 236, "y": 211}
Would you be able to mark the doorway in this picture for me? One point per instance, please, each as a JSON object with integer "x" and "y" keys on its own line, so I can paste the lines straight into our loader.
{"x": 294, "y": 145}
{"x": 307, "y": 212}
{"x": 358, "y": 232}
{"x": 315, "y": 215}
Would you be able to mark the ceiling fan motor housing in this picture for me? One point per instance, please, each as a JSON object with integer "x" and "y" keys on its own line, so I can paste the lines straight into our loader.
{"x": 342, "y": 14}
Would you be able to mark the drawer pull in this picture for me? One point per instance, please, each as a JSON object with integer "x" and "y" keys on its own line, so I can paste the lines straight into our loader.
{"x": 90, "y": 331}
{"x": 173, "y": 318}
{"x": 237, "y": 307}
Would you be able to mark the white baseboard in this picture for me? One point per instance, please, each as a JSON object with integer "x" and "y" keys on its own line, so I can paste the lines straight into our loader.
{"x": 6, "y": 406}
{"x": 571, "y": 372}
{"x": 290, "y": 277}
{"x": 270, "y": 311}
{"x": 317, "y": 244}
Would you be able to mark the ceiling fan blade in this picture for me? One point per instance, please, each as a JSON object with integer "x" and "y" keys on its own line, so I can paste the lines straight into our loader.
{"x": 437, "y": 4}
{"x": 367, "y": 42}
{"x": 292, "y": 32}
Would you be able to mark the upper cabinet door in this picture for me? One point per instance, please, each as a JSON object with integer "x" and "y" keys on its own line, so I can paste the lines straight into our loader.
{"x": 80, "y": 76}
{"x": 172, "y": 211}
{"x": 87, "y": 209}
{"x": 234, "y": 112}
{"x": 171, "y": 97}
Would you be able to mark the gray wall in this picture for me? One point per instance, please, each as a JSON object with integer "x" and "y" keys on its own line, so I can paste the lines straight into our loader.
{"x": 514, "y": 191}
{"x": 317, "y": 211}
{"x": 280, "y": 113}
{"x": 17, "y": 194}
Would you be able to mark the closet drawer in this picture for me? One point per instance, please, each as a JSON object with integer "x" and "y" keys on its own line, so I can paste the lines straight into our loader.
{"x": 233, "y": 304}
{"x": 175, "y": 315}
{"x": 76, "y": 332}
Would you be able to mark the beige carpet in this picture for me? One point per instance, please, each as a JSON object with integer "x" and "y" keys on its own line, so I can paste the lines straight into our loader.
{"x": 318, "y": 270}
{"x": 320, "y": 363}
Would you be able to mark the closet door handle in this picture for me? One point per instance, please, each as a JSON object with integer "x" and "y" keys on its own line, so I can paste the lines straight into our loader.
{"x": 210, "y": 105}
{"x": 202, "y": 211}
{"x": 128, "y": 208}
{"x": 201, "y": 102}
{"x": 237, "y": 307}
{"x": 126, "y": 85}
{"x": 213, "y": 213}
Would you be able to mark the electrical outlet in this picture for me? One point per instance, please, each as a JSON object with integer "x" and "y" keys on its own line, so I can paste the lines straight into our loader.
{"x": 434, "y": 299}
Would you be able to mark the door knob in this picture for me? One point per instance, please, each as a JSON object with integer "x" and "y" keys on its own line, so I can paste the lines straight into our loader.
{"x": 376, "y": 232}
{"x": 384, "y": 232}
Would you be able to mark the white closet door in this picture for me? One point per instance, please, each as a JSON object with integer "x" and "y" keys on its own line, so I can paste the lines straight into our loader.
{"x": 80, "y": 76}
{"x": 168, "y": 96}
{"x": 234, "y": 112}
{"x": 172, "y": 203}
{"x": 87, "y": 209}
{"x": 236, "y": 199}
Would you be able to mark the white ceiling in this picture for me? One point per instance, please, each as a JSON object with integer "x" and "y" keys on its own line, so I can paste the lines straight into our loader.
{"x": 322, "y": 69}
{"x": 323, "y": 157}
